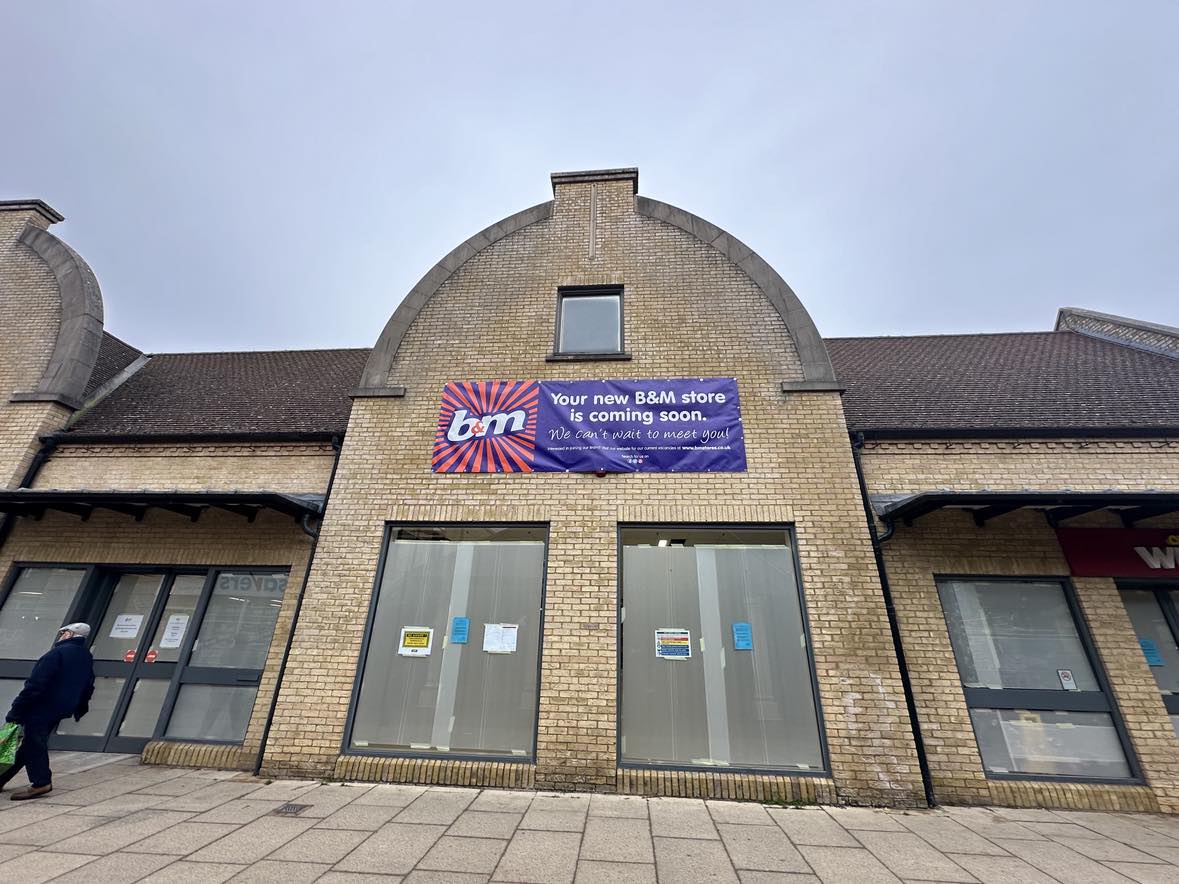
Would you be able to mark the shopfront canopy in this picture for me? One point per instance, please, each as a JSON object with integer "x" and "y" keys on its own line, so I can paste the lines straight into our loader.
{"x": 247, "y": 504}
{"x": 1057, "y": 506}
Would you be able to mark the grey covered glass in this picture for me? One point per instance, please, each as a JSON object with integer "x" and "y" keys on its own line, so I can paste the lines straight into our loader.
{"x": 458, "y": 697}
{"x": 176, "y": 620}
{"x": 122, "y": 626}
{"x": 35, "y": 609}
{"x": 1014, "y": 635}
{"x": 744, "y": 698}
{"x": 147, "y": 699}
{"x": 102, "y": 706}
{"x": 217, "y": 713}
{"x": 590, "y": 323}
{"x": 239, "y": 622}
{"x": 1066, "y": 744}
{"x": 1150, "y": 625}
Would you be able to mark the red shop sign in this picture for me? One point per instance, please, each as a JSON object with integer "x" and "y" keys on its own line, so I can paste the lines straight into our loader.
{"x": 1119, "y": 552}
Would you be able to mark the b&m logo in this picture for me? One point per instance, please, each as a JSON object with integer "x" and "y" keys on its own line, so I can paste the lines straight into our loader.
{"x": 486, "y": 427}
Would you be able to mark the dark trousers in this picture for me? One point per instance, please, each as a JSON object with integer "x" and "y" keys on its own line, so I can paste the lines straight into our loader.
{"x": 34, "y": 755}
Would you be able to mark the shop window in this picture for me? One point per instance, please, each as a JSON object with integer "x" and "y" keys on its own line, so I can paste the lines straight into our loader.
{"x": 453, "y": 643}
{"x": 589, "y": 321}
{"x": 178, "y": 653}
{"x": 716, "y": 664}
{"x": 1037, "y": 701}
{"x": 1154, "y": 614}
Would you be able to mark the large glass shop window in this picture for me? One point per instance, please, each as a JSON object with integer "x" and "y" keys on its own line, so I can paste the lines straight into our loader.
{"x": 1154, "y": 613}
{"x": 1035, "y": 700}
{"x": 454, "y": 639}
{"x": 716, "y": 669}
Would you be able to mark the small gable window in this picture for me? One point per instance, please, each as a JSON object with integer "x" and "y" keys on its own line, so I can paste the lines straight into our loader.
{"x": 589, "y": 321}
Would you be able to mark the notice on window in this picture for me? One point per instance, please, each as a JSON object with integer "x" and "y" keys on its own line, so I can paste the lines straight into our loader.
{"x": 1066, "y": 679}
{"x": 416, "y": 641}
{"x": 174, "y": 631}
{"x": 126, "y": 625}
{"x": 500, "y": 638}
{"x": 673, "y": 644}
{"x": 1151, "y": 651}
{"x": 742, "y": 637}
{"x": 460, "y": 630}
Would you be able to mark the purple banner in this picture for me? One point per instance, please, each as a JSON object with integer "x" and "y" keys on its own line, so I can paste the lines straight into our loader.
{"x": 688, "y": 425}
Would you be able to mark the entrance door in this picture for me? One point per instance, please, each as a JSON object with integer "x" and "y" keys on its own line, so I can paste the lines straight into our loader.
{"x": 136, "y": 647}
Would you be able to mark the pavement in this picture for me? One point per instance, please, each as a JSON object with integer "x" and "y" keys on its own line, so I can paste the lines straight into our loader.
{"x": 111, "y": 819}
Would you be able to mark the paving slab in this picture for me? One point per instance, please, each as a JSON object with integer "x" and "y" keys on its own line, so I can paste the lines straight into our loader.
{"x": 751, "y": 877}
{"x": 216, "y": 793}
{"x": 52, "y": 830}
{"x": 334, "y": 877}
{"x": 41, "y": 865}
{"x": 273, "y": 872}
{"x": 238, "y": 811}
{"x": 739, "y": 813}
{"x": 391, "y": 795}
{"x": 12, "y": 851}
{"x": 682, "y": 859}
{"x": 865, "y": 818}
{"x": 393, "y": 849}
{"x": 185, "y": 872}
{"x": 279, "y": 790}
{"x": 626, "y": 806}
{"x": 760, "y": 848}
{"x": 421, "y": 876}
{"x": 910, "y": 858}
{"x": 485, "y": 824}
{"x": 253, "y": 841}
{"x": 948, "y": 835}
{"x": 360, "y": 817}
{"x": 553, "y": 820}
{"x": 1146, "y": 874}
{"x": 1107, "y": 850}
{"x": 1000, "y": 869}
{"x": 118, "y": 833}
{"x": 680, "y": 818}
{"x": 182, "y": 838}
{"x": 617, "y": 839}
{"x": 595, "y": 872}
{"x": 437, "y": 807}
{"x": 117, "y": 868}
{"x": 1064, "y": 864}
{"x": 497, "y": 801}
{"x": 812, "y": 826}
{"x": 451, "y": 853}
{"x": 840, "y": 865}
{"x": 320, "y": 846}
{"x": 539, "y": 857}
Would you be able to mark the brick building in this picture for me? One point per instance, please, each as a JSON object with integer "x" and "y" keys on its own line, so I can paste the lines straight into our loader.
{"x": 893, "y": 570}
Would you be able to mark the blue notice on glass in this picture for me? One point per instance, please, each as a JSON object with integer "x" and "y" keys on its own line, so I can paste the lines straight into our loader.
{"x": 1151, "y": 651}
{"x": 460, "y": 628}
{"x": 742, "y": 637}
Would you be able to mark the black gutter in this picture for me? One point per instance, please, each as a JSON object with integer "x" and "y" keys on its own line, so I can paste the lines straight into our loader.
{"x": 1018, "y": 434}
{"x": 259, "y": 438}
{"x": 39, "y": 458}
{"x": 893, "y": 624}
{"x": 337, "y": 446}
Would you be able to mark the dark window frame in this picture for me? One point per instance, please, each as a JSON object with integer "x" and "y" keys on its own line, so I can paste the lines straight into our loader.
{"x": 790, "y": 530}
{"x": 566, "y": 292}
{"x": 387, "y": 532}
{"x": 90, "y": 602}
{"x": 1071, "y": 701}
{"x": 1165, "y": 593}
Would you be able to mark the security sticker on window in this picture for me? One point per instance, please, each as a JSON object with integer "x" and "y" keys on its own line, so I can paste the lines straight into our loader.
{"x": 1066, "y": 679}
{"x": 673, "y": 644}
{"x": 416, "y": 641}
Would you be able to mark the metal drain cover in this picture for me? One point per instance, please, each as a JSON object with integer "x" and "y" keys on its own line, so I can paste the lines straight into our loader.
{"x": 290, "y": 809}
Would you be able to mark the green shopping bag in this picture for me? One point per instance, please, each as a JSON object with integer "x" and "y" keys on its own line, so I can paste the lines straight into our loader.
{"x": 10, "y": 737}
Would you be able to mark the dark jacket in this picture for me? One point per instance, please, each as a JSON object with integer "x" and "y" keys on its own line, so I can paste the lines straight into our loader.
{"x": 60, "y": 686}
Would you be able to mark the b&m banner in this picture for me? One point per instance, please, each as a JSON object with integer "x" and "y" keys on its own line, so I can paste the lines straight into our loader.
{"x": 688, "y": 425}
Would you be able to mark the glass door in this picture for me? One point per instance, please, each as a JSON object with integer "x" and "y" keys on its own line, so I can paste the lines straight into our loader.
{"x": 136, "y": 647}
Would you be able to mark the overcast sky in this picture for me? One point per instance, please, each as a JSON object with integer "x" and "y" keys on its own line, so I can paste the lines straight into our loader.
{"x": 249, "y": 175}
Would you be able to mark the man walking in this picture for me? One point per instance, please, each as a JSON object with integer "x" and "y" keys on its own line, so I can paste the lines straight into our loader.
{"x": 60, "y": 686}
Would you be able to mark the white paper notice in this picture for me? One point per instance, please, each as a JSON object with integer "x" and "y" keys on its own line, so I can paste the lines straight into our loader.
{"x": 126, "y": 625}
{"x": 174, "y": 631}
{"x": 500, "y": 638}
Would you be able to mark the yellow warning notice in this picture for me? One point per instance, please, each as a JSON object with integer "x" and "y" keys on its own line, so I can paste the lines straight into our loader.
{"x": 415, "y": 641}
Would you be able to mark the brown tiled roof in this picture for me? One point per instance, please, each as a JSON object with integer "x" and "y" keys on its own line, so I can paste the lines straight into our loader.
{"x": 1047, "y": 382}
{"x": 113, "y": 356}
{"x": 1026, "y": 383}
{"x": 261, "y": 394}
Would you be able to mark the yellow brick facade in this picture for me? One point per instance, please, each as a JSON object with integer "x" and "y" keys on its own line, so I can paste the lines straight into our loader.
{"x": 1020, "y": 544}
{"x": 689, "y": 312}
